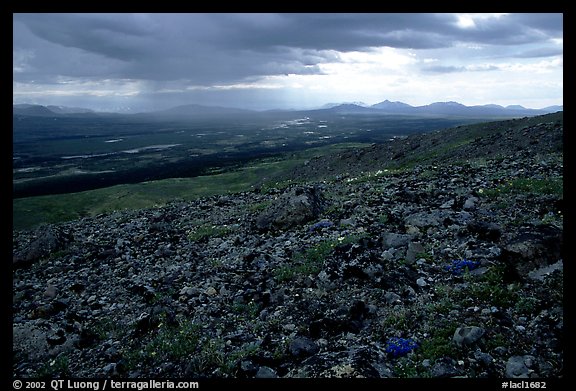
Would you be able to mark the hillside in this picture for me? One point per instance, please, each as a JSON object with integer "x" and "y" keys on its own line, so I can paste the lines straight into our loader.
{"x": 527, "y": 136}
{"x": 436, "y": 255}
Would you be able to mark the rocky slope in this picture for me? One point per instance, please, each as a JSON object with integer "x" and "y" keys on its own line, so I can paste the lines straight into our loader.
{"x": 437, "y": 267}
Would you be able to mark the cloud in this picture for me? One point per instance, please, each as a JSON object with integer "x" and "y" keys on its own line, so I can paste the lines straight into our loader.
{"x": 207, "y": 48}
{"x": 443, "y": 69}
{"x": 540, "y": 52}
{"x": 156, "y": 52}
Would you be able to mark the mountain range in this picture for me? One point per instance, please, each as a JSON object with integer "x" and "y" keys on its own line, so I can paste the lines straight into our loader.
{"x": 383, "y": 108}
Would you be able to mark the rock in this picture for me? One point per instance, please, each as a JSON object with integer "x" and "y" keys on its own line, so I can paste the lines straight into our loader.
{"x": 421, "y": 282}
{"x": 470, "y": 203}
{"x": 294, "y": 208}
{"x": 444, "y": 368}
{"x": 56, "y": 338}
{"x": 248, "y": 367}
{"x": 483, "y": 358}
{"x": 303, "y": 347}
{"x": 31, "y": 340}
{"x": 164, "y": 251}
{"x": 358, "y": 311}
{"x": 467, "y": 335}
{"x": 48, "y": 240}
{"x": 342, "y": 371}
{"x": 86, "y": 339}
{"x": 110, "y": 369}
{"x": 543, "y": 272}
{"x": 447, "y": 205}
{"x": 392, "y": 298}
{"x": 390, "y": 239}
{"x": 347, "y": 222}
{"x": 414, "y": 249}
{"x": 266, "y": 373}
{"x": 50, "y": 292}
{"x": 533, "y": 248}
{"x": 485, "y": 231}
{"x": 44, "y": 311}
{"x": 426, "y": 219}
{"x": 146, "y": 291}
{"x": 188, "y": 291}
{"x": 211, "y": 291}
{"x": 516, "y": 367}
{"x": 388, "y": 255}
{"x": 412, "y": 230}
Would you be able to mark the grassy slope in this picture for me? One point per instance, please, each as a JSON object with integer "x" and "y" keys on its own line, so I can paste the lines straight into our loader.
{"x": 30, "y": 212}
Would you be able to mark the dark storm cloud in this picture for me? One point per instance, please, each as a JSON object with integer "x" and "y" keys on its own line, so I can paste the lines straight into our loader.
{"x": 224, "y": 48}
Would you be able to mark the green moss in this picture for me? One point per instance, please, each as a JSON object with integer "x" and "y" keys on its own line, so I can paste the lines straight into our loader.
{"x": 439, "y": 344}
{"x": 250, "y": 310}
{"x": 398, "y": 320}
{"x": 305, "y": 262}
{"x": 548, "y": 186}
{"x": 527, "y": 305}
{"x": 493, "y": 290}
{"x": 207, "y": 231}
{"x": 259, "y": 206}
{"x": 56, "y": 368}
{"x": 213, "y": 355}
{"x": 408, "y": 369}
{"x": 169, "y": 343}
{"x": 383, "y": 219}
{"x": 495, "y": 341}
{"x": 106, "y": 328}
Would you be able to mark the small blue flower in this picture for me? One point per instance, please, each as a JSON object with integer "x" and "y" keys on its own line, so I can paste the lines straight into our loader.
{"x": 458, "y": 266}
{"x": 400, "y": 346}
{"x": 321, "y": 224}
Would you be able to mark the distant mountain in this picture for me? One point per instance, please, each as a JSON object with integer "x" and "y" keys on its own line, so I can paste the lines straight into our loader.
{"x": 23, "y": 106}
{"x": 446, "y": 108}
{"x": 331, "y": 105}
{"x": 32, "y": 110}
{"x": 350, "y": 108}
{"x": 458, "y": 109}
{"x": 393, "y": 107}
{"x": 383, "y": 108}
{"x": 199, "y": 110}
{"x": 515, "y": 107}
{"x": 553, "y": 109}
{"x": 492, "y": 106}
{"x": 69, "y": 110}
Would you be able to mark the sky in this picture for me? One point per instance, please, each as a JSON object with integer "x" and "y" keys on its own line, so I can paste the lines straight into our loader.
{"x": 143, "y": 62}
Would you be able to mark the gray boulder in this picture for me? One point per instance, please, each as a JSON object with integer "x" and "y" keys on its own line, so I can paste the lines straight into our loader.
{"x": 48, "y": 240}
{"x": 266, "y": 373}
{"x": 293, "y": 208}
{"x": 534, "y": 247}
{"x": 516, "y": 367}
{"x": 303, "y": 347}
{"x": 467, "y": 335}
